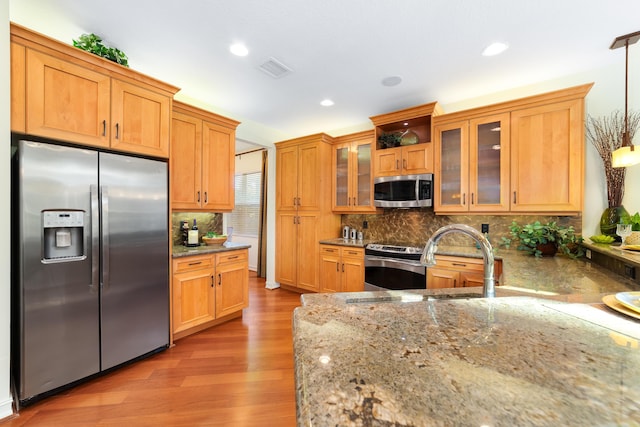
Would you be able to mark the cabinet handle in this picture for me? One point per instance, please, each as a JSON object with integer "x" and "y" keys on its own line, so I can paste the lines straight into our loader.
{"x": 117, "y": 130}
{"x": 454, "y": 283}
{"x": 343, "y": 267}
{"x": 397, "y": 164}
{"x": 472, "y": 199}
{"x": 212, "y": 282}
{"x": 198, "y": 196}
{"x": 464, "y": 199}
{"x": 206, "y": 198}
{"x": 233, "y": 257}
{"x": 294, "y": 201}
{"x": 348, "y": 201}
{"x": 514, "y": 197}
{"x": 219, "y": 279}
{"x": 195, "y": 263}
{"x": 104, "y": 128}
{"x": 299, "y": 201}
{"x": 338, "y": 267}
{"x": 404, "y": 163}
{"x": 457, "y": 264}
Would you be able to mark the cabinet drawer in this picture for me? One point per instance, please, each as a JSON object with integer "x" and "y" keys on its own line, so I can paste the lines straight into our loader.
{"x": 192, "y": 263}
{"x": 456, "y": 263}
{"x": 329, "y": 250}
{"x": 353, "y": 252}
{"x": 233, "y": 256}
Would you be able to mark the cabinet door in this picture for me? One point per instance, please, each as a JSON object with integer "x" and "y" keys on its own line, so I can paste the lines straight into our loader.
{"x": 547, "y": 158}
{"x": 307, "y": 251}
{"x": 362, "y": 177}
{"x": 18, "y": 88}
{"x": 330, "y": 274}
{"x": 309, "y": 173}
{"x": 140, "y": 119}
{"x": 469, "y": 279}
{"x": 66, "y": 101}
{"x": 218, "y": 167}
{"x": 341, "y": 177}
{"x": 417, "y": 159}
{"x": 232, "y": 287}
{"x": 489, "y": 164}
{"x": 287, "y": 178}
{"x": 438, "y": 278}
{"x": 193, "y": 299}
{"x": 387, "y": 162}
{"x": 352, "y": 270}
{"x": 452, "y": 167}
{"x": 186, "y": 162}
{"x": 286, "y": 248}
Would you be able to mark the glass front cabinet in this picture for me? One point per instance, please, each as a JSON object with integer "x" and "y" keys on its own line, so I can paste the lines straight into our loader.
{"x": 472, "y": 165}
{"x": 352, "y": 173}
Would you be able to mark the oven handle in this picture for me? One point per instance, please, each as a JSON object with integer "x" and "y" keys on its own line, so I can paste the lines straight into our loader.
{"x": 400, "y": 264}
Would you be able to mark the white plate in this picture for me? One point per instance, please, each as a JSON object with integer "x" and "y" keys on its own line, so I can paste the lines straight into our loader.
{"x": 630, "y": 300}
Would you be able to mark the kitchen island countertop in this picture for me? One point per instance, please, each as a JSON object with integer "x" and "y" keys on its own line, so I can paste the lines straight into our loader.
{"x": 400, "y": 358}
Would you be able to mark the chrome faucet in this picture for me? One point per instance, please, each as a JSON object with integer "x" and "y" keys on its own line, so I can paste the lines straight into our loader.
{"x": 428, "y": 255}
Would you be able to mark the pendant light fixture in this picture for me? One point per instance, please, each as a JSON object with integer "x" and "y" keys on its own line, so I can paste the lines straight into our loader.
{"x": 626, "y": 155}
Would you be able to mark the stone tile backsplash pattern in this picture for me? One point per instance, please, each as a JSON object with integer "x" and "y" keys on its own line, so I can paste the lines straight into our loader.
{"x": 206, "y": 222}
{"x": 415, "y": 226}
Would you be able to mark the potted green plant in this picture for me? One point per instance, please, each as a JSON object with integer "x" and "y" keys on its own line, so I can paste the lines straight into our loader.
{"x": 634, "y": 237}
{"x": 93, "y": 44}
{"x": 545, "y": 239}
{"x": 390, "y": 139}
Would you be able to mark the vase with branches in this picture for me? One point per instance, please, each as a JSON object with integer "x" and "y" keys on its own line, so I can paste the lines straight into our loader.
{"x": 607, "y": 134}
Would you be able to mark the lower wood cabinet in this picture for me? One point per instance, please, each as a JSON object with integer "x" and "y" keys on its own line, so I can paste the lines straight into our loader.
{"x": 341, "y": 269}
{"x": 207, "y": 290}
{"x": 458, "y": 272}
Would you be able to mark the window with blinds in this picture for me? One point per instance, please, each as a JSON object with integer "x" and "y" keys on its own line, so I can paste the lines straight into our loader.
{"x": 245, "y": 218}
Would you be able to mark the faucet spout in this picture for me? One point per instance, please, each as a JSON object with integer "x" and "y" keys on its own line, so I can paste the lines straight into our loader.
{"x": 428, "y": 254}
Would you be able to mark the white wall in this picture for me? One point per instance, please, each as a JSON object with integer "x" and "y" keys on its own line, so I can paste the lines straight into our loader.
{"x": 5, "y": 198}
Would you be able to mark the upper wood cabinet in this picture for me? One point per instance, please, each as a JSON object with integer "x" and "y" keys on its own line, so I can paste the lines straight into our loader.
{"x": 202, "y": 160}
{"x": 524, "y": 156}
{"x": 472, "y": 165}
{"x": 352, "y": 173}
{"x": 416, "y": 156}
{"x": 71, "y": 95}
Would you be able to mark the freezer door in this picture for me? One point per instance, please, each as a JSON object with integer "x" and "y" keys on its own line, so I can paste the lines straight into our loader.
{"x": 135, "y": 257}
{"x": 57, "y": 299}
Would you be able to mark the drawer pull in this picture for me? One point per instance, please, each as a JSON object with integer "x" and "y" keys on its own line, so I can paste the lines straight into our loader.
{"x": 195, "y": 263}
{"x": 457, "y": 264}
{"x": 233, "y": 257}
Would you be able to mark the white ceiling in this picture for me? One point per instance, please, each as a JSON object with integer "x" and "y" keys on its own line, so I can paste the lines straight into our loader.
{"x": 342, "y": 49}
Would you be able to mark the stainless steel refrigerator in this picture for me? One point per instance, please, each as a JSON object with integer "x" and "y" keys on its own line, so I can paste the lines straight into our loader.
{"x": 92, "y": 284}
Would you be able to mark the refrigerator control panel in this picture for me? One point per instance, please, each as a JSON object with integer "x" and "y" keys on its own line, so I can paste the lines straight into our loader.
{"x": 56, "y": 219}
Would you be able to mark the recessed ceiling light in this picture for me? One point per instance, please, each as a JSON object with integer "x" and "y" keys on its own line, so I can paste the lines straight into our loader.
{"x": 494, "y": 49}
{"x": 391, "y": 81}
{"x": 326, "y": 103}
{"x": 239, "y": 49}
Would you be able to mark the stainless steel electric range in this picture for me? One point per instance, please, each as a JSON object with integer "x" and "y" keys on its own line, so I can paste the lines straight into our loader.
{"x": 393, "y": 267}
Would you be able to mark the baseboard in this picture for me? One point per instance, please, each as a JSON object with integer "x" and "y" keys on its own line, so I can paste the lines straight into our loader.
{"x": 6, "y": 409}
{"x": 272, "y": 285}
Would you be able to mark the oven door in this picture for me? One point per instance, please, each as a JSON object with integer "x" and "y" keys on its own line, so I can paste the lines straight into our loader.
{"x": 382, "y": 273}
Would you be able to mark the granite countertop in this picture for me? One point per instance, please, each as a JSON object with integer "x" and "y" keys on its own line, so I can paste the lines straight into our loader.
{"x": 613, "y": 251}
{"x": 545, "y": 352}
{"x": 183, "y": 251}
{"x": 346, "y": 242}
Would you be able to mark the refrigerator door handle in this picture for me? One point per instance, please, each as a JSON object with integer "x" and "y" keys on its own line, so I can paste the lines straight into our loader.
{"x": 104, "y": 200}
{"x": 95, "y": 238}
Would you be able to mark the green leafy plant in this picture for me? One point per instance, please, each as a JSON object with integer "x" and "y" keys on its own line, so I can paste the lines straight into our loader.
{"x": 93, "y": 44}
{"x": 390, "y": 139}
{"x": 531, "y": 236}
{"x": 634, "y": 220}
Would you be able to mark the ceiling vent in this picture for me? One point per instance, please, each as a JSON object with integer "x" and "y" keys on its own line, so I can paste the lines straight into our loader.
{"x": 274, "y": 68}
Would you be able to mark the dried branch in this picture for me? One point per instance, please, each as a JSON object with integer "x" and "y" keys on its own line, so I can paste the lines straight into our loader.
{"x": 606, "y": 135}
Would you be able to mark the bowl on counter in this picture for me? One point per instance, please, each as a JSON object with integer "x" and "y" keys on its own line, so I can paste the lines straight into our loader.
{"x": 211, "y": 241}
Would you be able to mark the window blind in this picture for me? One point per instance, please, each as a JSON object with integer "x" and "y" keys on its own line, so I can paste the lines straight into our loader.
{"x": 245, "y": 218}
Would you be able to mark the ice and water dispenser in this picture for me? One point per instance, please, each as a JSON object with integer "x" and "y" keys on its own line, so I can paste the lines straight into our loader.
{"x": 63, "y": 236}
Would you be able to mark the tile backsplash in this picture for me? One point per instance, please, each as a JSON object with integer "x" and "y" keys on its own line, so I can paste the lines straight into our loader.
{"x": 206, "y": 222}
{"x": 415, "y": 226}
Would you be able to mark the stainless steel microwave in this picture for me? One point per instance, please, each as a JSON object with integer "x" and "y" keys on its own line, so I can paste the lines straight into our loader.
{"x": 403, "y": 191}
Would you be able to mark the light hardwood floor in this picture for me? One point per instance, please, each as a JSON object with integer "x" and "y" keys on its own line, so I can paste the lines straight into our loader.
{"x": 236, "y": 374}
